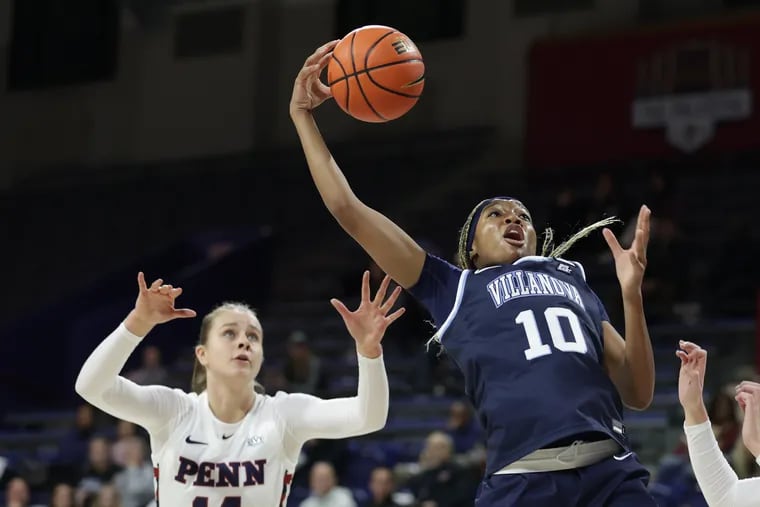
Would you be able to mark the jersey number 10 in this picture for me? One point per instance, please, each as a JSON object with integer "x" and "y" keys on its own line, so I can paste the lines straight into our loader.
{"x": 552, "y": 315}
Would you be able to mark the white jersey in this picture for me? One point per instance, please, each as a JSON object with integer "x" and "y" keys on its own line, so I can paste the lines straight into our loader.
{"x": 718, "y": 482}
{"x": 201, "y": 461}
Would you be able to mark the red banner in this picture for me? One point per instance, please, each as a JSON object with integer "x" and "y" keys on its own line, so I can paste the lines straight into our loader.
{"x": 648, "y": 94}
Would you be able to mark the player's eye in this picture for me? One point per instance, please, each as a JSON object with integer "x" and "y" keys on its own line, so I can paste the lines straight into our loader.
{"x": 253, "y": 337}
{"x": 525, "y": 216}
{"x": 229, "y": 333}
{"x": 494, "y": 213}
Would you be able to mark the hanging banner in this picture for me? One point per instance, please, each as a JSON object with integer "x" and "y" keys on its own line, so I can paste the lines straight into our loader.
{"x": 649, "y": 94}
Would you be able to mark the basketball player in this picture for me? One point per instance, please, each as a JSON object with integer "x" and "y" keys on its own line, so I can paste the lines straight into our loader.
{"x": 546, "y": 371}
{"x": 718, "y": 482}
{"x": 226, "y": 445}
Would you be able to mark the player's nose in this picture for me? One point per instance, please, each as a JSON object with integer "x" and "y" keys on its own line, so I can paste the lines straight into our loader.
{"x": 512, "y": 218}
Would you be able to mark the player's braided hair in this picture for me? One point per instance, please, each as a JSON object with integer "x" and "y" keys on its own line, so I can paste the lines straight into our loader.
{"x": 547, "y": 250}
{"x": 198, "y": 382}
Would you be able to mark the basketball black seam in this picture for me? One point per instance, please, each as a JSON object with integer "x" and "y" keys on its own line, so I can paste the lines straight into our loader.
{"x": 373, "y": 46}
{"x": 348, "y": 88}
{"x": 365, "y": 71}
{"x": 359, "y": 83}
{"x": 408, "y": 95}
{"x": 369, "y": 75}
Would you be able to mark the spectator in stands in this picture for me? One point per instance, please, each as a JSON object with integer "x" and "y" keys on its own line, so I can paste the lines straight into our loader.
{"x": 303, "y": 369}
{"x": 72, "y": 449}
{"x": 719, "y": 483}
{"x": 333, "y": 451}
{"x": 462, "y": 427}
{"x": 125, "y": 430}
{"x": 17, "y": 493}
{"x": 99, "y": 470}
{"x": 135, "y": 482}
{"x": 108, "y": 496}
{"x": 440, "y": 482}
{"x": 382, "y": 486}
{"x": 152, "y": 372}
{"x": 325, "y": 491}
{"x": 62, "y": 495}
{"x": 567, "y": 211}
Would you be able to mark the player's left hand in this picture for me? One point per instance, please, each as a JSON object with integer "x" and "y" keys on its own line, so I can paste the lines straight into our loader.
{"x": 367, "y": 324}
{"x": 691, "y": 378}
{"x": 748, "y": 396}
{"x": 631, "y": 263}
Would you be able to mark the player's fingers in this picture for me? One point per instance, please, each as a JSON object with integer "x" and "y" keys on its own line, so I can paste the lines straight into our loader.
{"x": 612, "y": 242}
{"x": 321, "y": 51}
{"x": 380, "y": 295}
{"x": 365, "y": 286}
{"x": 341, "y": 308}
{"x": 395, "y": 315}
{"x": 643, "y": 222}
{"x": 640, "y": 245}
{"x": 688, "y": 346}
{"x": 156, "y": 284}
{"x": 682, "y": 356}
{"x": 165, "y": 289}
{"x": 748, "y": 387}
{"x": 176, "y": 292}
{"x": 184, "y": 313}
{"x": 391, "y": 300}
{"x": 141, "y": 281}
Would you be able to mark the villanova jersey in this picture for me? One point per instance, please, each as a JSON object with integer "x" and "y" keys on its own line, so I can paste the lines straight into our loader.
{"x": 207, "y": 463}
{"x": 528, "y": 338}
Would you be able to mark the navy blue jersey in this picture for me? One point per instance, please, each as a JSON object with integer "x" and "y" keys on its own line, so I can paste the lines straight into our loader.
{"x": 528, "y": 339}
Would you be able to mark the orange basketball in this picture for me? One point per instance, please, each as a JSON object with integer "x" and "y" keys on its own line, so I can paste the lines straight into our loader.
{"x": 376, "y": 74}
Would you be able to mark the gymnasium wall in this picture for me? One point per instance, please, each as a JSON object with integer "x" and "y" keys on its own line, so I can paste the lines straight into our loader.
{"x": 159, "y": 106}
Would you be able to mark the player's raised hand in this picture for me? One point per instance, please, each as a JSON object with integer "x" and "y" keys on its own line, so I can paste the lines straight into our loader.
{"x": 309, "y": 91}
{"x": 748, "y": 397}
{"x": 367, "y": 324}
{"x": 691, "y": 381}
{"x": 630, "y": 263}
{"x": 154, "y": 305}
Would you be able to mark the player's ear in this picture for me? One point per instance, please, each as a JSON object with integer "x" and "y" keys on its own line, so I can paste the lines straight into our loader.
{"x": 200, "y": 354}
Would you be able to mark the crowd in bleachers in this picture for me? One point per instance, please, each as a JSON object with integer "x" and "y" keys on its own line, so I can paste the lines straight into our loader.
{"x": 431, "y": 452}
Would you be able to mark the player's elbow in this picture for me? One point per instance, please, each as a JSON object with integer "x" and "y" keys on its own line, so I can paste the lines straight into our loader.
{"x": 639, "y": 401}
{"x": 85, "y": 388}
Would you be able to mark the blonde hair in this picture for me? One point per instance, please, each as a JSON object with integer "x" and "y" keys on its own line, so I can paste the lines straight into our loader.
{"x": 198, "y": 381}
{"x": 547, "y": 249}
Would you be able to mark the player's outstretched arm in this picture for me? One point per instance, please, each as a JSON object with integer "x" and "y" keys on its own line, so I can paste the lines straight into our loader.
{"x": 99, "y": 382}
{"x": 630, "y": 362}
{"x": 718, "y": 482}
{"x": 394, "y": 251}
{"x": 310, "y": 417}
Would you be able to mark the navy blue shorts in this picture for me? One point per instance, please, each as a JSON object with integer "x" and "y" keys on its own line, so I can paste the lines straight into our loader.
{"x": 609, "y": 483}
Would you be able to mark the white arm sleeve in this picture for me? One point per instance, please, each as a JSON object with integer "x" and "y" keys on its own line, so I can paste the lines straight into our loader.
{"x": 307, "y": 417}
{"x": 718, "y": 482}
{"x": 152, "y": 407}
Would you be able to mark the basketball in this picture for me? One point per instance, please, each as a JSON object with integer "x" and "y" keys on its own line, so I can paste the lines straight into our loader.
{"x": 376, "y": 74}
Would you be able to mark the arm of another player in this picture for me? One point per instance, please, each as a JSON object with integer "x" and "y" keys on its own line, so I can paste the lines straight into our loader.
{"x": 310, "y": 417}
{"x": 630, "y": 361}
{"x": 394, "y": 251}
{"x": 718, "y": 482}
{"x": 152, "y": 407}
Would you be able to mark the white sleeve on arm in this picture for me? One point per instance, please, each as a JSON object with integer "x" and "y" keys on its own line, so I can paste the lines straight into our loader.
{"x": 717, "y": 480}
{"x": 152, "y": 407}
{"x": 307, "y": 417}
